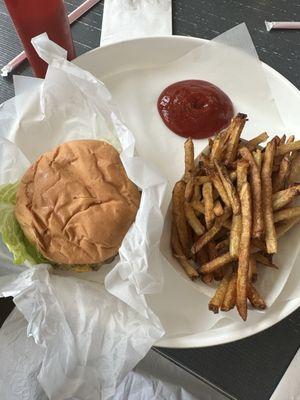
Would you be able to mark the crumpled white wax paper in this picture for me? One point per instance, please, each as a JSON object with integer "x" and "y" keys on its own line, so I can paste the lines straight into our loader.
{"x": 94, "y": 327}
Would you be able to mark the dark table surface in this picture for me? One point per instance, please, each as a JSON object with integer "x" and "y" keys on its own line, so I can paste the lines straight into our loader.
{"x": 250, "y": 368}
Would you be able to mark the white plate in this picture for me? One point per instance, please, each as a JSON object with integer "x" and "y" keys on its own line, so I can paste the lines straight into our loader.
{"x": 178, "y": 301}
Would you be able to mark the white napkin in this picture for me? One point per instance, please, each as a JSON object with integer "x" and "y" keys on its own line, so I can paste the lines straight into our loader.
{"x": 128, "y": 19}
{"x": 289, "y": 386}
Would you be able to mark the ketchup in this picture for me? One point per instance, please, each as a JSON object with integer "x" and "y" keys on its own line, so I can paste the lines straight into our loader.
{"x": 32, "y": 17}
{"x": 195, "y": 108}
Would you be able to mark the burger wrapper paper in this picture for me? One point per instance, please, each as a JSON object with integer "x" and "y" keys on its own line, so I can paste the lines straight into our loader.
{"x": 92, "y": 328}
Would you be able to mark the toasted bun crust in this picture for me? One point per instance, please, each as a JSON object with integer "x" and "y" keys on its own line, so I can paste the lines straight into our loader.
{"x": 76, "y": 203}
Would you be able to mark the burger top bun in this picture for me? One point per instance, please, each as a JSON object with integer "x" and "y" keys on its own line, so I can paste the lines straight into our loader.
{"x": 76, "y": 203}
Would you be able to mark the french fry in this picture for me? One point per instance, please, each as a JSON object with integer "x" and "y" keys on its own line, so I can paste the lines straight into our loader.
{"x": 179, "y": 217}
{"x": 234, "y": 130}
{"x": 294, "y": 175}
{"x": 283, "y": 228}
{"x": 212, "y": 252}
{"x": 218, "y": 262}
{"x": 199, "y": 180}
{"x": 253, "y": 143}
{"x": 178, "y": 254}
{"x": 266, "y": 180}
{"x": 282, "y": 139}
{"x": 284, "y": 197}
{"x": 218, "y": 209}
{"x": 287, "y": 213}
{"x": 216, "y": 302}
{"x": 255, "y": 182}
{"x": 208, "y": 204}
{"x": 216, "y": 180}
{"x": 255, "y": 298}
{"x": 241, "y": 173}
{"x": 189, "y": 159}
{"x": 262, "y": 259}
{"x": 252, "y": 273}
{"x": 216, "y": 150}
{"x": 211, "y": 233}
{"x": 230, "y": 295}
{"x": 287, "y": 148}
{"x": 197, "y": 193}
{"x": 244, "y": 251}
{"x": 189, "y": 189}
{"x": 235, "y": 235}
{"x": 282, "y": 175}
{"x": 198, "y": 206}
{"x": 192, "y": 220}
{"x": 229, "y": 188}
{"x": 257, "y": 155}
{"x": 202, "y": 258}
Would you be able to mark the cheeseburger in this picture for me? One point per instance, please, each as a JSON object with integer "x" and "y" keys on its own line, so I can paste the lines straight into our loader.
{"x": 76, "y": 203}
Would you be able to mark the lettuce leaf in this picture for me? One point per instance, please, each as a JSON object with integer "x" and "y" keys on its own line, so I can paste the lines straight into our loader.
{"x": 10, "y": 230}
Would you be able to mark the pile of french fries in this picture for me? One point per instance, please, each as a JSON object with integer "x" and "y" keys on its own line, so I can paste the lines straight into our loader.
{"x": 229, "y": 210}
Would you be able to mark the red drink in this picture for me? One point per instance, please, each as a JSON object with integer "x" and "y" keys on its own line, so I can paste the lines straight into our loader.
{"x": 32, "y": 17}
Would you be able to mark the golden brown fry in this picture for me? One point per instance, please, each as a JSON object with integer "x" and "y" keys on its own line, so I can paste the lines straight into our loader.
{"x": 282, "y": 175}
{"x": 255, "y": 298}
{"x": 179, "y": 217}
{"x": 229, "y": 188}
{"x": 202, "y": 258}
{"x": 208, "y": 204}
{"x": 230, "y": 296}
{"x": 282, "y": 139}
{"x": 266, "y": 180}
{"x": 255, "y": 182}
{"x": 235, "y": 235}
{"x": 234, "y": 131}
{"x": 189, "y": 159}
{"x": 294, "y": 175}
{"x": 241, "y": 173}
{"x": 192, "y": 219}
{"x": 199, "y": 180}
{"x": 262, "y": 259}
{"x": 216, "y": 180}
{"x": 287, "y": 213}
{"x": 253, "y": 143}
{"x": 244, "y": 251}
{"x": 189, "y": 189}
{"x": 198, "y": 206}
{"x": 283, "y": 228}
{"x": 216, "y": 263}
{"x": 197, "y": 193}
{"x": 284, "y": 197}
{"x": 216, "y": 302}
{"x": 209, "y": 235}
{"x": 217, "y": 149}
{"x": 178, "y": 253}
{"x": 218, "y": 209}
{"x": 288, "y": 147}
{"x": 257, "y": 155}
{"x": 252, "y": 273}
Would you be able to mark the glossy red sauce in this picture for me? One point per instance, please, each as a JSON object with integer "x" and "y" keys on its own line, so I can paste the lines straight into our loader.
{"x": 195, "y": 108}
